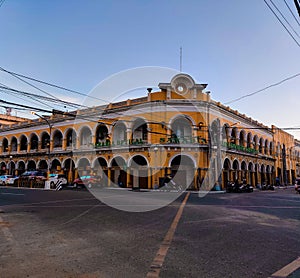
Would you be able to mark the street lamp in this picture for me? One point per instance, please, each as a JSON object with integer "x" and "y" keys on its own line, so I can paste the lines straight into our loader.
{"x": 50, "y": 130}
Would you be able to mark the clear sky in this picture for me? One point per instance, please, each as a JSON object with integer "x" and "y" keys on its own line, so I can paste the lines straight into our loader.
{"x": 236, "y": 46}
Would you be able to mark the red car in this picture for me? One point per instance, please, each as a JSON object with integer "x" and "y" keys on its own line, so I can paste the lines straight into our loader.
{"x": 86, "y": 181}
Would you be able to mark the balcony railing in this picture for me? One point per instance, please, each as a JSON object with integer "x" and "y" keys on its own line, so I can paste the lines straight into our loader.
{"x": 239, "y": 148}
{"x": 183, "y": 140}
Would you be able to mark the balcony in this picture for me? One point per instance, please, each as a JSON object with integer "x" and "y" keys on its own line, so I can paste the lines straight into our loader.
{"x": 184, "y": 140}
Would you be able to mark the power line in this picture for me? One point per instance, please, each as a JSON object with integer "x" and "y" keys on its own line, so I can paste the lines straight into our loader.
{"x": 282, "y": 15}
{"x": 34, "y": 101}
{"x": 51, "y": 84}
{"x": 291, "y": 35}
{"x": 55, "y": 100}
{"x": 292, "y": 12}
{"x": 263, "y": 89}
{"x": 297, "y": 6}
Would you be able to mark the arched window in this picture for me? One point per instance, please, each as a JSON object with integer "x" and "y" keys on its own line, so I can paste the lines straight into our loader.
{"x": 182, "y": 128}
{"x": 34, "y": 142}
{"x": 249, "y": 140}
{"x": 5, "y": 145}
{"x": 45, "y": 141}
{"x": 242, "y": 138}
{"x": 14, "y": 144}
{"x": 23, "y": 143}
{"x": 71, "y": 138}
{"x": 57, "y": 139}
{"x": 85, "y": 137}
{"x": 139, "y": 130}
{"x": 119, "y": 133}
{"x": 101, "y": 134}
{"x": 261, "y": 145}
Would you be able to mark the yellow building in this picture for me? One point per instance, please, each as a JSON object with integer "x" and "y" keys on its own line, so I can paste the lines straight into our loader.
{"x": 178, "y": 132}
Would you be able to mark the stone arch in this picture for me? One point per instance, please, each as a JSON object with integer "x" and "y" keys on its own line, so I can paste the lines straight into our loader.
{"x": 101, "y": 134}
{"x": 236, "y": 169}
{"x": 70, "y": 137}
{"x": 183, "y": 168}
{"x": 242, "y": 138}
{"x": 34, "y": 141}
{"x": 225, "y": 133}
{"x": 23, "y": 142}
{"x": 85, "y": 136}
{"x": 5, "y": 145}
{"x": 55, "y": 165}
{"x": 57, "y": 137}
{"x": 139, "y": 130}
{"x": 266, "y": 147}
{"x": 261, "y": 145}
{"x": 244, "y": 170}
{"x": 262, "y": 173}
{"x": 100, "y": 169}
{"x": 226, "y": 171}
{"x": 120, "y": 133}
{"x": 181, "y": 127}
{"x": 214, "y": 133}
{"x": 249, "y": 140}
{"x": 45, "y": 140}
{"x": 69, "y": 169}
{"x": 234, "y": 135}
{"x": 11, "y": 167}
{"x": 21, "y": 167}
{"x": 255, "y": 142}
{"x": 84, "y": 166}
{"x": 42, "y": 165}
{"x": 31, "y": 165}
{"x": 14, "y": 144}
{"x": 3, "y": 168}
{"x": 118, "y": 172}
{"x": 139, "y": 166}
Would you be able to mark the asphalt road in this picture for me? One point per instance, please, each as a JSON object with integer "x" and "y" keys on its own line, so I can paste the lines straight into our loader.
{"x": 71, "y": 234}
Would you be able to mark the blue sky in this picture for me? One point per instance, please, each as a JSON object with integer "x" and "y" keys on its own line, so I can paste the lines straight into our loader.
{"x": 236, "y": 46}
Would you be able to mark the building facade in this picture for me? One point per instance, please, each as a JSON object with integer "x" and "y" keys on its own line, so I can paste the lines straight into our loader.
{"x": 177, "y": 132}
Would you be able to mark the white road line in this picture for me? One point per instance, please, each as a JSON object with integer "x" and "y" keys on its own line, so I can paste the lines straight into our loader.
{"x": 12, "y": 194}
{"x": 287, "y": 270}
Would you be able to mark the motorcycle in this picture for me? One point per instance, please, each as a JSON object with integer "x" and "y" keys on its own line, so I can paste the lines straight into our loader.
{"x": 267, "y": 187}
{"x": 238, "y": 188}
{"x": 246, "y": 188}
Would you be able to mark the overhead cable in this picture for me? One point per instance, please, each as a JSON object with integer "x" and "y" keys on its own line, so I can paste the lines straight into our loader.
{"x": 291, "y": 35}
{"x": 263, "y": 89}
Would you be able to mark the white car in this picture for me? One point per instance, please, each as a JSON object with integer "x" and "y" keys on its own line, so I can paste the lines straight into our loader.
{"x": 56, "y": 179}
{"x": 4, "y": 178}
{"x": 11, "y": 180}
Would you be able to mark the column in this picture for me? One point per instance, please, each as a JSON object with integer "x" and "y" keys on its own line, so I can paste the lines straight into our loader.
{"x": 108, "y": 176}
{"x": 149, "y": 178}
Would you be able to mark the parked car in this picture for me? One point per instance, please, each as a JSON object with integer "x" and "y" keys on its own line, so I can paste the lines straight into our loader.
{"x": 4, "y": 178}
{"x": 33, "y": 175}
{"x": 85, "y": 181}
{"x": 11, "y": 180}
{"x": 56, "y": 179}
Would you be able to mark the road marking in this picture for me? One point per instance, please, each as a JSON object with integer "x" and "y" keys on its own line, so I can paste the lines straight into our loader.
{"x": 164, "y": 247}
{"x": 288, "y": 269}
{"x": 12, "y": 194}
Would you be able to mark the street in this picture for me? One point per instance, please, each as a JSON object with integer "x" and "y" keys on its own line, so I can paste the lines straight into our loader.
{"x": 69, "y": 233}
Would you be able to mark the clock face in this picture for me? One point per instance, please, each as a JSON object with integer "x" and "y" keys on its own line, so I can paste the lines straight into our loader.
{"x": 181, "y": 89}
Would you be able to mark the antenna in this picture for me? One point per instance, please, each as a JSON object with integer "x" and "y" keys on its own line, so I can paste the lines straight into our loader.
{"x": 180, "y": 69}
